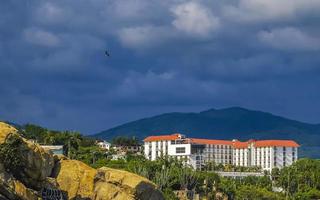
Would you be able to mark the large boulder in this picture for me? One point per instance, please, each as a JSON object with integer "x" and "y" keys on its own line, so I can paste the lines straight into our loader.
{"x": 75, "y": 178}
{"x": 123, "y": 185}
{"x": 36, "y": 162}
{"x": 80, "y": 181}
{"x": 10, "y": 187}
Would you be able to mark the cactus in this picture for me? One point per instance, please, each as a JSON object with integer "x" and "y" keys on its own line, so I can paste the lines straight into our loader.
{"x": 187, "y": 178}
{"x": 162, "y": 177}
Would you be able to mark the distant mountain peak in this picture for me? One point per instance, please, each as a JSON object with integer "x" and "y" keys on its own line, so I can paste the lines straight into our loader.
{"x": 229, "y": 109}
{"x": 210, "y": 110}
{"x": 235, "y": 108}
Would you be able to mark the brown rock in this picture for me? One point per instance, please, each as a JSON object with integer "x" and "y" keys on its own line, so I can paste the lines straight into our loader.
{"x": 75, "y": 178}
{"x": 129, "y": 186}
{"x": 108, "y": 191}
{"x": 37, "y": 162}
{"x": 5, "y": 131}
{"x": 10, "y": 188}
{"x": 80, "y": 181}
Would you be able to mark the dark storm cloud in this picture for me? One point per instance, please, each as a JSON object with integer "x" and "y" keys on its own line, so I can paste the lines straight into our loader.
{"x": 165, "y": 56}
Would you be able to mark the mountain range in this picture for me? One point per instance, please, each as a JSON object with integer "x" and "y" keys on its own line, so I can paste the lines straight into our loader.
{"x": 229, "y": 123}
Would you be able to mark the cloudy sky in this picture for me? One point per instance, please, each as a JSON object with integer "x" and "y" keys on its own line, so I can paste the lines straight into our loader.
{"x": 166, "y": 55}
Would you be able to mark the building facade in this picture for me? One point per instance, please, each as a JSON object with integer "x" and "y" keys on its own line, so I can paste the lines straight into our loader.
{"x": 104, "y": 145}
{"x": 126, "y": 148}
{"x": 266, "y": 154}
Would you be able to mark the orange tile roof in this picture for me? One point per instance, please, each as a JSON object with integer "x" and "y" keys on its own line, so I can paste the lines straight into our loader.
{"x": 236, "y": 144}
{"x": 265, "y": 143}
{"x": 240, "y": 145}
{"x": 276, "y": 143}
{"x": 162, "y": 137}
{"x": 207, "y": 141}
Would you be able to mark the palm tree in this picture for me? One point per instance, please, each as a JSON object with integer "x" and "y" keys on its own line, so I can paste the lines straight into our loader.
{"x": 73, "y": 144}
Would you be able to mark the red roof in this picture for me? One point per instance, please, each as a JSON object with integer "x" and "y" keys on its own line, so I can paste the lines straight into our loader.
{"x": 240, "y": 145}
{"x": 162, "y": 137}
{"x": 265, "y": 143}
{"x": 206, "y": 141}
{"x": 236, "y": 144}
{"x": 276, "y": 143}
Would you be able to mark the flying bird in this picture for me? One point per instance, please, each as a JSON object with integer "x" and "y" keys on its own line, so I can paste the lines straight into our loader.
{"x": 107, "y": 53}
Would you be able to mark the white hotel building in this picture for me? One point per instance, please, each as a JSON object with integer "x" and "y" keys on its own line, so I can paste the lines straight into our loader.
{"x": 267, "y": 154}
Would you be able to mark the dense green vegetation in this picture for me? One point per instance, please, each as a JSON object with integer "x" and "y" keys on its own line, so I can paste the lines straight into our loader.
{"x": 51, "y": 137}
{"x": 300, "y": 180}
{"x": 125, "y": 141}
{"x": 76, "y": 146}
{"x": 212, "y": 166}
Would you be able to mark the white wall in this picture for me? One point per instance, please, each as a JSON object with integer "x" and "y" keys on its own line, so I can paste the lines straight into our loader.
{"x": 172, "y": 149}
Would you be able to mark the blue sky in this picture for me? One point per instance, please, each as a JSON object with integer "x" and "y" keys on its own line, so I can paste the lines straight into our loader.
{"x": 166, "y": 55}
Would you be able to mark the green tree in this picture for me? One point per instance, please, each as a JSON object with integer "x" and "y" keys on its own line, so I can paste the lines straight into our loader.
{"x": 301, "y": 177}
{"x": 125, "y": 141}
{"x": 250, "y": 192}
{"x": 73, "y": 144}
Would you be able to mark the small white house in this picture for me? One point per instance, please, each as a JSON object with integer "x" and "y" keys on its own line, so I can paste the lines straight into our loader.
{"x": 104, "y": 145}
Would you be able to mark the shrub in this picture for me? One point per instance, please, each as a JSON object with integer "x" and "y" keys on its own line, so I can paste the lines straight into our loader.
{"x": 10, "y": 154}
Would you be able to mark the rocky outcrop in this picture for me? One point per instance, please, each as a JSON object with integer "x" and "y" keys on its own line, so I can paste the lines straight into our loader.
{"x": 42, "y": 173}
{"x": 76, "y": 178}
{"x": 36, "y": 163}
{"x": 83, "y": 182}
{"x": 5, "y": 131}
{"x": 11, "y": 188}
{"x": 39, "y": 163}
{"x": 124, "y": 185}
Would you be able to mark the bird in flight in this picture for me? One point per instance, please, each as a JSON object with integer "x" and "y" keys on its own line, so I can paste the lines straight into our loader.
{"x": 107, "y": 53}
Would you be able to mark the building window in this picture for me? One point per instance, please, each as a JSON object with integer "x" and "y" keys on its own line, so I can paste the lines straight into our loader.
{"x": 293, "y": 156}
{"x": 167, "y": 148}
{"x": 284, "y": 156}
{"x": 180, "y": 150}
